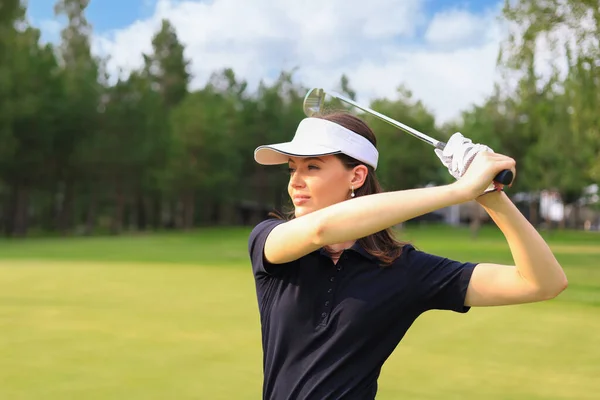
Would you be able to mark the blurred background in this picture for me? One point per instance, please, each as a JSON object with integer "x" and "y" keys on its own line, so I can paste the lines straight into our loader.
{"x": 128, "y": 186}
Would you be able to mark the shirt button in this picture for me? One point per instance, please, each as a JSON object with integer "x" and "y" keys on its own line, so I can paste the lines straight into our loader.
{"x": 339, "y": 268}
{"x": 324, "y": 315}
{"x": 326, "y": 303}
{"x": 332, "y": 279}
{"x": 329, "y": 290}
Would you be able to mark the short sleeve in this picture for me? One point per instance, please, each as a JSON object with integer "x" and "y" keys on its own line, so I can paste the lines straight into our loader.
{"x": 256, "y": 246}
{"x": 442, "y": 282}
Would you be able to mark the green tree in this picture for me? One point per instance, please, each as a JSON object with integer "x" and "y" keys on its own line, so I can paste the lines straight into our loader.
{"x": 167, "y": 71}
{"x": 562, "y": 111}
{"x": 11, "y": 13}
{"x": 29, "y": 115}
{"x": 167, "y": 66}
{"x": 203, "y": 158}
{"x": 405, "y": 162}
{"x": 80, "y": 109}
{"x": 346, "y": 89}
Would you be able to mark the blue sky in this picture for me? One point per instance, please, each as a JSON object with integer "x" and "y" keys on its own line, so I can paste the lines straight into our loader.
{"x": 104, "y": 15}
{"x": 108, "y": 15}
{"x": 443, "y": 50}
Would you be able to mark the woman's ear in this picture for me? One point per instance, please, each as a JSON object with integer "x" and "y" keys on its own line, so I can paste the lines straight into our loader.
{"x": 359, "y": 176}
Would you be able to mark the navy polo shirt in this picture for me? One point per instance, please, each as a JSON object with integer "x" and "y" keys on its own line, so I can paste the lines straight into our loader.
{"x": 328, "y": 328}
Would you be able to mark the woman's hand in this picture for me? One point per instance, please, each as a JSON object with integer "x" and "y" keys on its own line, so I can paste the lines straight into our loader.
{"x": 479, "y": 176}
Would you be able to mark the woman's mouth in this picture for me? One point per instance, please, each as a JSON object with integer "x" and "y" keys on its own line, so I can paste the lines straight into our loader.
{"x": 300, "y": 199}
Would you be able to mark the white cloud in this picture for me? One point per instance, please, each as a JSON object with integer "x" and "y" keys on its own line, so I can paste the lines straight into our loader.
{"x": 447, "y": 82}
{"x": 550, "y": 48}
{"x": 457, "y": 27}
{"x": 325, "y": 40}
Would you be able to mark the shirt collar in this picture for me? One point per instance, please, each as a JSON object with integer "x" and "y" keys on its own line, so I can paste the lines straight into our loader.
{"x": 362, "y": 251}
{"x": 357, "y": 248}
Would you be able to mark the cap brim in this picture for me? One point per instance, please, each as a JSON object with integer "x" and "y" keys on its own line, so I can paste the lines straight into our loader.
{"x": 280, "y": 153}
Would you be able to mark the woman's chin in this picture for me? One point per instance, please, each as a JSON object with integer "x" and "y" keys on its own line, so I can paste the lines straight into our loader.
{"x": 301, "y": 210}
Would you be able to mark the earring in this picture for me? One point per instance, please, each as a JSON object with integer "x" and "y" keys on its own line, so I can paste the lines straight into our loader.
{"x": 352, "y": 194}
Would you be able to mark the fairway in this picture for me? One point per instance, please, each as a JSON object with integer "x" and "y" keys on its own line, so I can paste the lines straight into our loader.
{"x": 174, "y": 316}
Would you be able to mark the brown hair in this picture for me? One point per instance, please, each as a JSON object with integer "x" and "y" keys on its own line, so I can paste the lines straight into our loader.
{"x": 382, "y": 245}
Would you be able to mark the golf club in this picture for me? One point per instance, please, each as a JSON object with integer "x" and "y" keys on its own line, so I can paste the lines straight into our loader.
{"x": 315, "y": 98}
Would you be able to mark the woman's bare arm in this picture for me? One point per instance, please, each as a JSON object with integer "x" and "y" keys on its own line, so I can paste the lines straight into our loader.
{"x": 354, "y": 219}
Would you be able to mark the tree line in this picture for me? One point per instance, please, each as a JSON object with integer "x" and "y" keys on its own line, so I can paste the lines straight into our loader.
{"x": 82, "y": 155}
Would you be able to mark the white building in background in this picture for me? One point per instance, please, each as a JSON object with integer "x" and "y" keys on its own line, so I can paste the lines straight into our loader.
{"x": 551, "y": 206}
{"x": 451, "y": 214}
{"x": 591, "y": 194}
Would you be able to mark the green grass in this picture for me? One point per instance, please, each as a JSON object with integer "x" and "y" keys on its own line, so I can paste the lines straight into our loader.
{"x": 174, "y": 316}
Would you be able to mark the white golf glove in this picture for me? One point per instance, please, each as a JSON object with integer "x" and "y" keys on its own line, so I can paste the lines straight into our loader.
{"x": 459, "y": 153}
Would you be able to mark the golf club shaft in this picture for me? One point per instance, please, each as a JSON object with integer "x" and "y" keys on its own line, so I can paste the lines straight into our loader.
{"x": 505, "y": 177}
{"x": 436, "y": 143}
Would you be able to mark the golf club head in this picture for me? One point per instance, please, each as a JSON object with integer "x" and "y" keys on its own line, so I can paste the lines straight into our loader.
{"x": 313, "y": 102}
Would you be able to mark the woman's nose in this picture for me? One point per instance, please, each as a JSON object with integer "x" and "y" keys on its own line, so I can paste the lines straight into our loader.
{"x": 296, "y": 180}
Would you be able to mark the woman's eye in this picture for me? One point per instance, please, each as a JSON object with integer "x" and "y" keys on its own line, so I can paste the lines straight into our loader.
{"x": 310, "y": 167}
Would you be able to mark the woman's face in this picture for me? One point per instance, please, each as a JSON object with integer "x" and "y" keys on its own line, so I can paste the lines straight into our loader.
{"x": 318, "y": 182}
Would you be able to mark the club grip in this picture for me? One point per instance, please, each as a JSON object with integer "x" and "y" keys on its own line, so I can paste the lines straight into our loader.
{"x": 504, "y": 177}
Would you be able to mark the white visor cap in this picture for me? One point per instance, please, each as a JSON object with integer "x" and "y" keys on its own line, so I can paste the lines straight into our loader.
{"x": 319, "y": 137}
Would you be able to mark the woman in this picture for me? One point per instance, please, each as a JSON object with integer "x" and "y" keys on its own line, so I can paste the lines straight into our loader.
{"x": 337, "y": 292}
